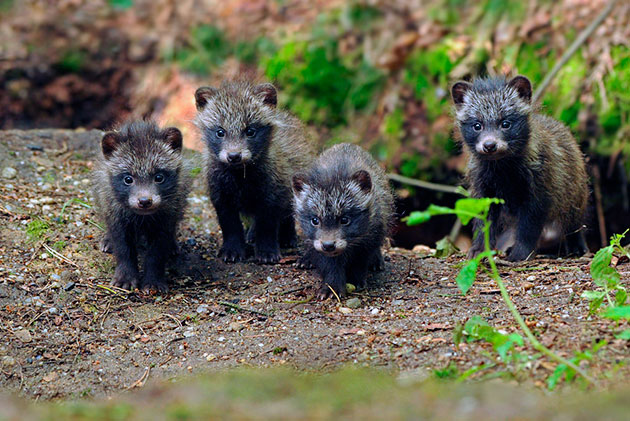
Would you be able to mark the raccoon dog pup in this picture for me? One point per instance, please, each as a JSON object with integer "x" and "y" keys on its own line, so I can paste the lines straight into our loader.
{"x": 344, "y": 205}
{"x": 140, "y": 190}
{"x": 527, "y": 159}
{"x": 252, "y": 150}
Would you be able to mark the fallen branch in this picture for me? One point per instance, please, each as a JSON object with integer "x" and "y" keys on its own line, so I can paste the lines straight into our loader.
{"x": 572, "y": 49}
{"x": 239, "y": 308}
{"x": 423, "y": 184}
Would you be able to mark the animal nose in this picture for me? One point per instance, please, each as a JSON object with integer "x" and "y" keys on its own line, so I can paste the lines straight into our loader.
{"x": 489, "y": 146}
{"x": 328, "y": 246}
{"x": 145, "y": 202}
{"x": 234, "y": 157}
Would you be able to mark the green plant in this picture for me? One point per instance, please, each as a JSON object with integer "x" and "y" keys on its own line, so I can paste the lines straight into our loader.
{"x": 607, "y": 279}
{"x": 466, "y": 210}
{"x": 36, "y": 229}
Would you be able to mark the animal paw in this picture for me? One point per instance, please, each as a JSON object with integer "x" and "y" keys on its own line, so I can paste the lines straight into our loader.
{"x": 304, "y": 262}
{"x": 126, "y": 279}
{"x": 154, "y": 284}
{"x": 105, "y": 245}
{"x": 232, "y": 253}
{"x": 268, "y": 256}
{"x": 326, "y": 291}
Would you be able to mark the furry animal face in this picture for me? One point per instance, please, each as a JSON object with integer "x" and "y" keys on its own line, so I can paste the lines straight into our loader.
{"x": 143, "y": 164}
{"x": 493, "y": 115}
{"x": 237, "y": 120}
{"x": 334, "y": 212}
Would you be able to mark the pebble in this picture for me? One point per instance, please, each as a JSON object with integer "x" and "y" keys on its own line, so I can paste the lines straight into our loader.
{"x": 397, "y": 302}
{"x": 24, "y": 335}
{"x": 191, "y": 242}
{"x": 531, "y": 278}
{"x": 345, "y": 310}
{"x": 8, "y": 361}
{"x": 69, "y": 286}
{"x": 189, "y": 333}
{"x": 353, "y": 303}
{"x": 53, "y": 310}
{"x": 9, "y": 173}
{"x": 55, "y": 277}
{"x": 203, "y": 309}
{"x": 235, "y": 326}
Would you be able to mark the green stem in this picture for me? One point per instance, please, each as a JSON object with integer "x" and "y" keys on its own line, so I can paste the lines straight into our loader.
{"x": 517, "y": 316}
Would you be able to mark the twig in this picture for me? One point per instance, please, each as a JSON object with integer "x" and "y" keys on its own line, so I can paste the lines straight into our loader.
{"x": 174, "y": 318}
{"x": 141, "y": 381}
{"x": 599, "y": 208}
{"x": 36, "y": 317}
{"x": 572, "y": 49}
{"x": 334, "y": 293}
{"x": 58, "y": 255}
{"x": 239, "y": 308}
{"x": 111, "y": 289}
{"x": 423, "y": 184}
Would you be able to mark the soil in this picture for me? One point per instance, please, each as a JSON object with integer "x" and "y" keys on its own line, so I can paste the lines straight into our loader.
{"x": 65, "y": 332}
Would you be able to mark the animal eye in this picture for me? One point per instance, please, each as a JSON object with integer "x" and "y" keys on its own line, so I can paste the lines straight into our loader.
{"x": 220, "y": 133}
{"x": 344, "y": 220}
{"x": 128, "y": 180}
{"x": 159, "y": 178}
{"x": 249, "y": 132}
{"x": 477, "y": 127}
{"x": 505, "y": 124}
{"x": 315, "y": 221}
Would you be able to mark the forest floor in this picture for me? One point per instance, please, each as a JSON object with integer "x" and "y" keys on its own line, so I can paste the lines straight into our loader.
{"x": 66, "y": 333}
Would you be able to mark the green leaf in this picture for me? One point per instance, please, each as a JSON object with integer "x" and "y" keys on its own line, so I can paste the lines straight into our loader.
{"x": 617, "y": 313}
{"x": 445, "y": 248}
{"x": 593, "y": 295}
{"x": 467, "y": 276}
{"x": 624, "y": 335}
{"x": 555, "y": 377}
{"x": 621, "y": 296}
{"x": 469, "y": 208}
{"x": 120, "y": 4}
{"x": 417, "y": 218}
{"x": 600, "y": 266}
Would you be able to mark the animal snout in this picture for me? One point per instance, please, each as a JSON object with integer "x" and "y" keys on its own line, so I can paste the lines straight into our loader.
{"x": 489, "y": 146}
{"x": 234, "y": 157}
{"x": 145, "y": 202}
{"x": 328, "y": 246}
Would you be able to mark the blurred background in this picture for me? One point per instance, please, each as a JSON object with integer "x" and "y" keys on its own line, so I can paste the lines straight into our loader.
{"x": 374, "y": 73}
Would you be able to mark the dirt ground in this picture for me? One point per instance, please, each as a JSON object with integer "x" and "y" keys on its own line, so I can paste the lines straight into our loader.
{"x": 64, "y": 332}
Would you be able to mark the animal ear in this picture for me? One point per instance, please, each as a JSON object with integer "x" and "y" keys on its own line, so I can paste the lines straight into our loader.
{"x": 458, "y": 91}
{"x": 364, "y": 180}
{"x": 299, "y": 183}
{"x": 109, "y": 143}
{"x": 173, "y": 138}
{"x": 523, "y": 86}
{"x": 203, "y": 95}
{"x": 267, "y": 93}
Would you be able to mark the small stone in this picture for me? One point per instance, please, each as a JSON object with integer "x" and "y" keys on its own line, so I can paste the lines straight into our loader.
{"x": 235, "y": 327}
{"x": 24, "y": 335}
{"x": 203, "y": 309}
{"x": 9, "y": 173}
{"x": 50, "y": 377}
{"x": 69, "y": 286}
{"x": 191, "y": 242}
{"x": 345, "y": 310}
{"x": 8, "y": 361}
{"x": 34, "y": 147}
{"x": 531, "y": 278}
{"x": 397, "y": 302}
{"x": 189, "y": 333}
{"x": 353, "y": 303}
{"x": 55, "y": 277}
{"x": 53, "y": 310}
{"x": 211, "y": 357}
